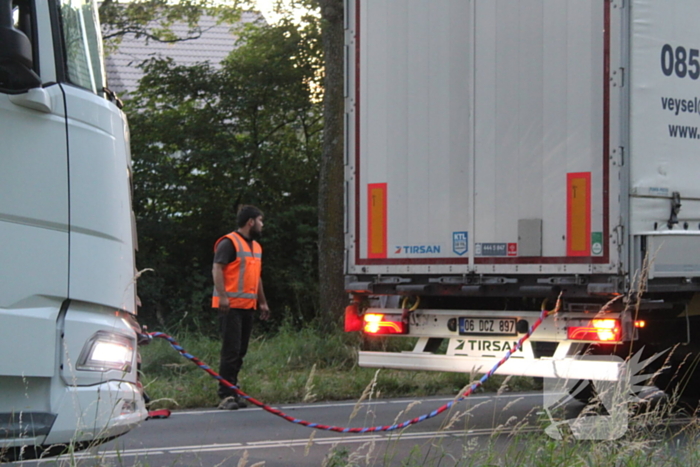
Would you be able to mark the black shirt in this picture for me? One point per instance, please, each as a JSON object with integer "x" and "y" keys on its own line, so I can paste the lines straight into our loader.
{"x": 225, "y": 251}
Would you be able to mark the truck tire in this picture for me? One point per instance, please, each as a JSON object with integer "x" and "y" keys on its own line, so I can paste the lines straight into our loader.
{"x": 583, "y": 391}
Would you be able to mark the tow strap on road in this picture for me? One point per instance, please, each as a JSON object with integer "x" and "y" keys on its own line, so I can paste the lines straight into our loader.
{"x": 162, "y": 413}
{"x": 470, "y": 390}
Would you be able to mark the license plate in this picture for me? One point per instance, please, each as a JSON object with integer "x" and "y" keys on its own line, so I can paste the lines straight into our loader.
{"x": 487, "y": 326}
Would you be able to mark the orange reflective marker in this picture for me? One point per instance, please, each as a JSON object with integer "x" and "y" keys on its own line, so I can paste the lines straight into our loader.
{"x": 578, "y": 213}
{"x": 377, "y": 219}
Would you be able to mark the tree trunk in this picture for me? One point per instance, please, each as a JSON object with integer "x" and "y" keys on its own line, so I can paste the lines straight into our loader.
{"x": 331, "y": 192}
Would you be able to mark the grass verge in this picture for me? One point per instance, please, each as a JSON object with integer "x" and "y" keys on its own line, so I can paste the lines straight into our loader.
{"x": 291, "y": 366}
{"x": 655, "y": 434}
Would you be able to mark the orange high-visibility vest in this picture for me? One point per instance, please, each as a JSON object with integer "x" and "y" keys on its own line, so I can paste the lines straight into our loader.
{"x": 242, "y": 276}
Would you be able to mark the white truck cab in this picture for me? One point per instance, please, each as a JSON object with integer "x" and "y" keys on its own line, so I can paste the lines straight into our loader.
{"x": 68, "y": 333}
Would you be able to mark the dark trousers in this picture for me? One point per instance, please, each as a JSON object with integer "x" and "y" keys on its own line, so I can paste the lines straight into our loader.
{"x": 235, "y": 327}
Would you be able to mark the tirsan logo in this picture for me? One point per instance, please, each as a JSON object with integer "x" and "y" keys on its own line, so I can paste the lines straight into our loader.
{"x": 417, "y": 249}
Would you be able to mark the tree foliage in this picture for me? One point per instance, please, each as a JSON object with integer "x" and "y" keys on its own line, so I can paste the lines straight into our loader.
{"x": 154, "y": 19}
{"x": 205, "y": 140}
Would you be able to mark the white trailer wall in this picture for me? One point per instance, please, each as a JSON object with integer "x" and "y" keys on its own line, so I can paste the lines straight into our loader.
{"x": 470, "y": 124}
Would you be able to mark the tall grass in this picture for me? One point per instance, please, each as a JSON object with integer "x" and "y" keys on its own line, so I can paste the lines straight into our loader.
{"x": 657, "y": 435}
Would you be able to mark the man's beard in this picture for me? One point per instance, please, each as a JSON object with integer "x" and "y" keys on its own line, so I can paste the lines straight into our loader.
{"x": 255, "y": 234}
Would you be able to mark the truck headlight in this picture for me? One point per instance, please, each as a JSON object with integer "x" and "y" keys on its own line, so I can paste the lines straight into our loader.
{"x": 107, "y": 351}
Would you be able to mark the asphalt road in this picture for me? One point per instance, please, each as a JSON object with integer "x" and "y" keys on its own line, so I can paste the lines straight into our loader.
{"x": 250, "y": 436}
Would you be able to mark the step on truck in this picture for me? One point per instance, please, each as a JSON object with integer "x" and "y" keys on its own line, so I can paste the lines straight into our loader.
{"x": 501, "y": 153}
{"x": 68, "y": 329}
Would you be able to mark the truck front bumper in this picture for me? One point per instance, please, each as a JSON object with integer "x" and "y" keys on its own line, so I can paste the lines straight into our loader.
{"x": 82, "y": 413}
{"x": 119, "y": 408}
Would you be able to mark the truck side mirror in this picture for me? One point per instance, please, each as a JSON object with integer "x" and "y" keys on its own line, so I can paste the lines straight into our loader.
{"x": 16, "y": 73}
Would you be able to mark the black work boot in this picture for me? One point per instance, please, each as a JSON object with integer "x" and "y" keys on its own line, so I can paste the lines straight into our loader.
{"x": 241, "y": 402}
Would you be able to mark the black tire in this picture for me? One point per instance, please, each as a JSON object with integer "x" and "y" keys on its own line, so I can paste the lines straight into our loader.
{"x": 583, "y": 391}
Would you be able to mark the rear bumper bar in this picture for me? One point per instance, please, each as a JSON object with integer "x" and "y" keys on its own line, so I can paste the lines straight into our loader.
{"x": 596, "y": 368}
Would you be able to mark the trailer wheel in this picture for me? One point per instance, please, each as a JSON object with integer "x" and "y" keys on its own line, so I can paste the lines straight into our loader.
{"x": 583, "y": 391}
{"x": 681, "y": 382}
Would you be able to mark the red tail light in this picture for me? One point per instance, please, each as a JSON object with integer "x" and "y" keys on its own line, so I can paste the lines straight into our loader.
{"x": 376, "y": 323}
{"x": 599, "y": 330}
{"x": 353, "y": 320}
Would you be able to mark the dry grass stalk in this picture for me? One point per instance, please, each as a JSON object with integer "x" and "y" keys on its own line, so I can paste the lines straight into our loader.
{"x": 310, "y": 443}
{"x": 400, "y": 415}
{"x": 243, "y": 461}
{"x": 357, "y": 456}
{"x": 511, "y": 403}
{"x": 366, "y": 394}
{"x": 453, "y": 420}
{"x": 504, "y": 385}
{"x": 309, "y": 386}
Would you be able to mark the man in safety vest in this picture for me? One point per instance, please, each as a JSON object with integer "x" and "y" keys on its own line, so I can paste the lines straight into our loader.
{"x": 236, "y": 273}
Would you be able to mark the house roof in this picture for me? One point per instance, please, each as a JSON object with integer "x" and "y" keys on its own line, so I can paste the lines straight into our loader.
{"x": 213, "y": 46}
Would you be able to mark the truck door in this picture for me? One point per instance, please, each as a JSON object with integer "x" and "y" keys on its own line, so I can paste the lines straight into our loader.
{"x": 544, "y": 86}
{"x": 99, "y": 171}
{"x": 33, "y": 197}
